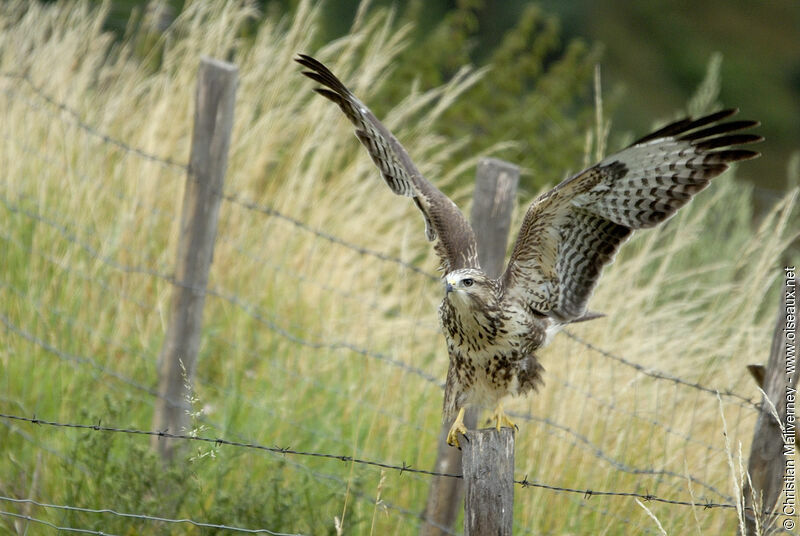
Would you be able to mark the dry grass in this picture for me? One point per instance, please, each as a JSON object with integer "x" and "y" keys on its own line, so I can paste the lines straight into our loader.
{"x": 692, "y": 299}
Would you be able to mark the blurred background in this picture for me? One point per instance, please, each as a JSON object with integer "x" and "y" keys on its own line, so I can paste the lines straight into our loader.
{"x": 652, "y": 57}
{"x": 320, "y": 332}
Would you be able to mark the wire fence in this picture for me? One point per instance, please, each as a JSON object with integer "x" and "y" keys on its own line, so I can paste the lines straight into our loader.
{"x": 401, "y": 468}
{"x": 142, "y": 517}
{"x": 134, "y": 277}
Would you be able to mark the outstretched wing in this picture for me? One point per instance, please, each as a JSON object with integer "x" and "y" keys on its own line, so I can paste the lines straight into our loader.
{"x": 456, "y": 245}
{"x": 571, "y": 232}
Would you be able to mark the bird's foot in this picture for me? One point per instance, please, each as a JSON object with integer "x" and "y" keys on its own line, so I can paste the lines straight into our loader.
{"x": 457, "y": 428}
{"x": 501, "y": 419}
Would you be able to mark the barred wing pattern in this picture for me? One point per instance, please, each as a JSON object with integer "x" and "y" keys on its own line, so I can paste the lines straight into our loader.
{"x": 456, "y": 245}
{"x": 571, "y": 232}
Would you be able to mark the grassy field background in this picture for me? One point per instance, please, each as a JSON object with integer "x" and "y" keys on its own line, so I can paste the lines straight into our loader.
{"x": 301, "y": 358}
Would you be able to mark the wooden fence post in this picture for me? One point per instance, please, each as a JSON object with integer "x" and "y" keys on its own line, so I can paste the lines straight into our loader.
{"x": 492, "y": 204}
{"x": 213, "y": 121}
{"x": 488, "y": 459}
{"x": 768, "y": 461}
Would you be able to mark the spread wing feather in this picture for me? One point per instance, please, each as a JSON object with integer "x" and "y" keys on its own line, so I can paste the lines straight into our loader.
{"x": 456, "y": 245}
{"x": 571, "y": 232}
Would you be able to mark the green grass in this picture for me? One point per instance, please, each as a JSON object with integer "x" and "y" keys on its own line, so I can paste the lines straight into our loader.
{"x": 694, "y": 298}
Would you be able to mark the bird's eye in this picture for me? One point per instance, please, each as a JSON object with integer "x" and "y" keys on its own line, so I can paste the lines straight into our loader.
{"x": 467, "y": 282}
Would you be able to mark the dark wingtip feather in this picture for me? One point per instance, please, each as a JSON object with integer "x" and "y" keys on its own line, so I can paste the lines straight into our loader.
{"x": 328, "y": 94}
{"x": 712, "y": 118}
{"x": 719, "y": 128}
{"x": 729, "y": 140}
{"x": 308, "y": 61}
{"x": 735, "y": 155}
{"x": 321, "y": 74}
{"x": 687, "y": 124}
{"x": 689, "y": 129}
{"x": 316, "y": 77}
{"x": 668, "y": 130}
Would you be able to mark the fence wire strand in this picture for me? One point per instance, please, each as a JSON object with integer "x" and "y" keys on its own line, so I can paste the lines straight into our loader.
{"x": 76, "y": 119}
{"x": 578, "y": 438}
{"x": 247, "y": 308}
{"x": 145, "y": 517}
{"x": 229, "y": 197}
{"x": 597, "y": 452}
{"x": 659, "y": 375}
{"x": 53, "y": 525}
{"x": 251, "y": 310}
{"x": 524, "y": 482}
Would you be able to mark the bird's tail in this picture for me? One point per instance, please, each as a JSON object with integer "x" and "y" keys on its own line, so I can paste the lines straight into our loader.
{"x": 588, "y": 315}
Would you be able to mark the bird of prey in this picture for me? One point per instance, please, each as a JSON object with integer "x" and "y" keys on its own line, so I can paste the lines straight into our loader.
{"x": 494, "y": 327}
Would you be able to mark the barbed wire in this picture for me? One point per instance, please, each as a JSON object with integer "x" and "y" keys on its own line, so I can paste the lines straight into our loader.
{"x": 78, "y": 359}
{"x": 270, "y": 211}
{"x": 205, "y": 421}
{"x": 404, "y": 468}
{"x": 71, "y": 237}
{"x": 200, "y": 379}
{"x": 73, "y": 272}
{"x": 229, "y": 197}
{"x": 87, "y": 360}
{"x": 608, "y": 405}
{"x": 215, "y": 426}
{"x": 273, "y": 326}
{"x": 647, "y": 497}
{"x": 263, "y": 318}
{"x": 248, "y": 308}
{"x": 145, "y": 517}
{"x": 225, "y": 442}
{"x": 597, "y": 452}
{"x": 578, "y": 438}
{"x": 255, "y": 313}
{"x": 139, "y": 352}
{"x": 659, "y": 375}
{"x": 118, "y": 194}
{"x": 252, "y": 311}
{"x": 78, "y": 121}
{"x": 361, "y": 250}
{"x": 53, "y": 525}
{"x": 317, "y": 475}
{"x": 266, "y": 261}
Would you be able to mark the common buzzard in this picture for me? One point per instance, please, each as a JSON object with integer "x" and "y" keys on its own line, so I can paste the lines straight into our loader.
{"x": 493, "y": 327}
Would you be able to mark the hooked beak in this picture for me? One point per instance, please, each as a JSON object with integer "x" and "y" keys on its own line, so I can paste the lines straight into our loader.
{"x": 448, "y": 288}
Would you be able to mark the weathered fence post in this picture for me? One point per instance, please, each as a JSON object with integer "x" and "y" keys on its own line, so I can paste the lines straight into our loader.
{"x": 213, "y": 121}
{"x": 488, "y": 460}
{"x": 768, "y": 461}
{"x": 492, "y": 204}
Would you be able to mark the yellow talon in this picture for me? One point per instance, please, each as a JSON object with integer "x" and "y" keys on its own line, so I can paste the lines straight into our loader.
{"x": 499, "y": 416}
{"x": 457, "y": 428}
